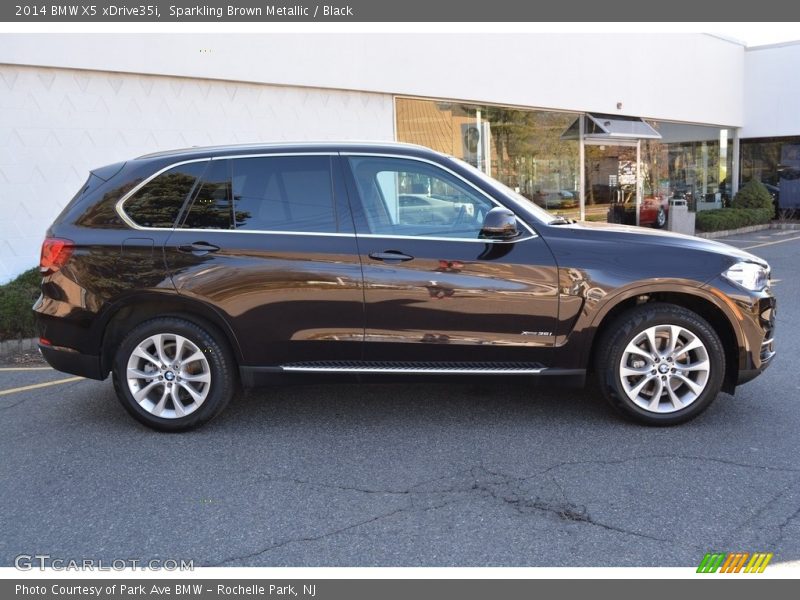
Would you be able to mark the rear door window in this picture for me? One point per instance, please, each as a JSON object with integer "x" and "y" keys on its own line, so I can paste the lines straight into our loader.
{"x": 286, "y": 193}
{"x": 266, "y": 193}
{"x": 211, "y": 208}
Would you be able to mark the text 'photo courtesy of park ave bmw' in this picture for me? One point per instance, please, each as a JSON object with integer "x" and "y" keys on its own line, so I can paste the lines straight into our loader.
{"x": 190, "y": 274}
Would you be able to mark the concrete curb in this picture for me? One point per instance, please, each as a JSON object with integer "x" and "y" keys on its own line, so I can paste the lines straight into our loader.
{"x": 710, "y": 235}
{"x": 9, "y": 347}
{"x": 779, "y": 225}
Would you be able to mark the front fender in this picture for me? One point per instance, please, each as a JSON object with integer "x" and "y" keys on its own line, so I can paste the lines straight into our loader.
{"x": 573, "y": 350}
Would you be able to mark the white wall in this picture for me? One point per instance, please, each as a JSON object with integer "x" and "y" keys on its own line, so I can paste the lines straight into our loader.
{"x": 683, "y": 77}
{"x": 772, "y": 91}
{"x": 57, "y": 124}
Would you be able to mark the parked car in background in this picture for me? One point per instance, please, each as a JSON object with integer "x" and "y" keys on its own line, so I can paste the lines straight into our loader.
{"x": 558, "y": 199}
{"x": 188, "y": 274}
{"x": 652, "y": 212}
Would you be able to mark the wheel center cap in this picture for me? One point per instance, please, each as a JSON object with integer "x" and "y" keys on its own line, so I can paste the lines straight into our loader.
{"x": 169, "y": 375}
{"x": 663, "y": 368}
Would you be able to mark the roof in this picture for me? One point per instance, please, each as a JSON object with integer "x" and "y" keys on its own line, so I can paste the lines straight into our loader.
{"x": 276, "y": 147}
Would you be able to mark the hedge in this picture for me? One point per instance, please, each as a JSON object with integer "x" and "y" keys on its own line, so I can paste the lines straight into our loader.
{"x": 731, "y": 218}
{"x": 753, "y": 195}
{"x": 16, "y": 299}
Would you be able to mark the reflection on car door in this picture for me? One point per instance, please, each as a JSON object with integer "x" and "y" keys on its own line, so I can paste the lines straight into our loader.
{"x": 435, "y": 291}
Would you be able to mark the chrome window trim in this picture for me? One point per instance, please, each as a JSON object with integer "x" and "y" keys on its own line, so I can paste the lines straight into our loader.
{"x": 373, "y": 236}
{"x": 119, "y": 207}
{"x": 262, "y": 231}
{"x": 480, "y": 192}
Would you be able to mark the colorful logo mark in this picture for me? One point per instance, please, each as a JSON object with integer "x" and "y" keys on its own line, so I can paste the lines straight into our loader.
{"x": 735, "y": 562}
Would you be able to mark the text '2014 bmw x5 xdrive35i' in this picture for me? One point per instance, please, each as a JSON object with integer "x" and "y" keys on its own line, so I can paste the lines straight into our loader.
{"x": 188, "y": 273}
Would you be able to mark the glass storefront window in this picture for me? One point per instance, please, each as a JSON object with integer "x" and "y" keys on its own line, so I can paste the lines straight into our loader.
{"x": 692, "y": 162}
{"x": 776, "y": 163}
{"x": 689, "y": 162}
{"x": 521, "y": 148}
{"x": 537, "y": 154}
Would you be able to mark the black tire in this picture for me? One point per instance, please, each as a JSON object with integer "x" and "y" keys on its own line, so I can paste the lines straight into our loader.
{"x": 626, "y": 328}
{"x": 219, "y": 364}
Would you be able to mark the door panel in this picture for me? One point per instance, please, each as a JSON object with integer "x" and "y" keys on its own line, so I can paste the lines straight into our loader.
{"x": 433, "y": 290}
{"x": 289, "y": 295}
{"x": 459, "y": 301}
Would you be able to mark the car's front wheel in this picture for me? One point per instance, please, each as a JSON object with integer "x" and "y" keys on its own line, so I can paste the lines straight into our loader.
{"x": 660, "y": 364}
{"x": 172, "y": 374}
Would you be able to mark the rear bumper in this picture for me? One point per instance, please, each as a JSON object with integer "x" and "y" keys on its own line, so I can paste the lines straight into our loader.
{"x": 72, "y": 361}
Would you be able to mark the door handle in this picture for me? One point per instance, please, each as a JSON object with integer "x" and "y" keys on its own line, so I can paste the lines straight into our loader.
{"x": 391, "y": 256}
{"x": 198, "y": 248}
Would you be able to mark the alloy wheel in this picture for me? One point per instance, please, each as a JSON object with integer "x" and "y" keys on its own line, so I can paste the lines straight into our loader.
{"x": 168, "y": 375}
{"x": 664, "y": 368}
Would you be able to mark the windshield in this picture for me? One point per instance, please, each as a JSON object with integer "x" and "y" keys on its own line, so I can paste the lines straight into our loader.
{"x": 535, "y": 211}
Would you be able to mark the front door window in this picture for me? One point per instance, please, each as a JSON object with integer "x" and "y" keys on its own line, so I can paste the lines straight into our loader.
{"x": 412, "y": 198}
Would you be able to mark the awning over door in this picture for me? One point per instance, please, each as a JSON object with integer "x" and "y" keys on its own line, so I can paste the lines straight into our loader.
{"x": 611, "y": 127}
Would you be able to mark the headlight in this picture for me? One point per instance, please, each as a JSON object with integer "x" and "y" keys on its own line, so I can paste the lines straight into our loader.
{"x": 749, "y": 275}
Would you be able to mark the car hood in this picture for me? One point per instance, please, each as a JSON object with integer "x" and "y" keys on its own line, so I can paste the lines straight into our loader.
{"x": 628, "y": 234}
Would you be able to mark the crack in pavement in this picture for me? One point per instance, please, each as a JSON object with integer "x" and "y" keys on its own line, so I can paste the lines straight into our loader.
{"x": 566, "y": 510}
{"x": 491, "y": 486}
{"x": 666, "y": 456}
{"x": 785, "y": 524}
{"x": 764, "y": 508}
{"x": 545, "y": 471}
{"x": 312, "y": 538}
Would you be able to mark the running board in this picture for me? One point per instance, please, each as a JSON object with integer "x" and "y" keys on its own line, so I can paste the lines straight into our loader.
{"x": 423, "y": 368}
{"x": 252, "y": 376}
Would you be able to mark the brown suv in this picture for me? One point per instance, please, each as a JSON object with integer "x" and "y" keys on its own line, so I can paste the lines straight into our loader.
{"x": 187, "y": 273}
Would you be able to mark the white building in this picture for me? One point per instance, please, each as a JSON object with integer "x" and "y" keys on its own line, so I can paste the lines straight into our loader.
{"x": 573, "y": 121}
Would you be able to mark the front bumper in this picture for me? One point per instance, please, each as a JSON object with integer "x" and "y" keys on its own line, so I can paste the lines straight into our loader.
{"x": 760, "y": 340}
{"x": 752, "y": 314}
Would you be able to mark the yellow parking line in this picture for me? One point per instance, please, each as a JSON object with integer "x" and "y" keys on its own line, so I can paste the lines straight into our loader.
{"x": 26, "y": 368}
{"x": 35, "y": 386}
{"x": 771, "y": 243}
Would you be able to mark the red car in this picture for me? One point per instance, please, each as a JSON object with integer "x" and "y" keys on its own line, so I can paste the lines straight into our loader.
{"x": 652, "y": 212}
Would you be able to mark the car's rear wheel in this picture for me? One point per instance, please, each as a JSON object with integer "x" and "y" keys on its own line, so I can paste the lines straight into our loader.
{"x": 660, "y": 364}
{"x": 172, "y": 374}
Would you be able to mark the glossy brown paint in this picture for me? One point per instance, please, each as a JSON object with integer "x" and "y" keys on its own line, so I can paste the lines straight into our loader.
{"x": 288, "y": 298}
{"x": 595, "y": 267}
{"x": 460, "y": 301}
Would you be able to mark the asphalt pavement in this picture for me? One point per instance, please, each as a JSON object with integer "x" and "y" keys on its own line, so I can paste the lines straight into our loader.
{"x": 477, "y": 474}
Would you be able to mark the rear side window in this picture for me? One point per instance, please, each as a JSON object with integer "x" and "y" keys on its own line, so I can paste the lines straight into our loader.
{"x": 272, "y": 193}
{"x": 159, "y": 201}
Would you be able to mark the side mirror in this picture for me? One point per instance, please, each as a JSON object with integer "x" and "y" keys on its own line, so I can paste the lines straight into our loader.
{"x": 499, "y": 224}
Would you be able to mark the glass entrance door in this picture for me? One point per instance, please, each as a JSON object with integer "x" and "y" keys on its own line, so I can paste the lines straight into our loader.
{"x": 611, "y": 176}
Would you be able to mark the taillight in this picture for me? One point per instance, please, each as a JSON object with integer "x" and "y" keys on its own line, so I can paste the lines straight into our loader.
{"x": 55, "y": 254}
